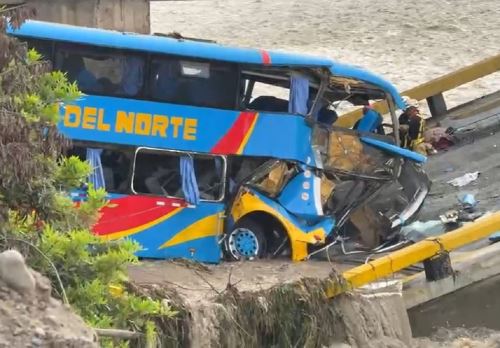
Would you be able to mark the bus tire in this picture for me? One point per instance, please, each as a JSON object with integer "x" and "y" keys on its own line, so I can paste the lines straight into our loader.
{"x": 245, "y": 241}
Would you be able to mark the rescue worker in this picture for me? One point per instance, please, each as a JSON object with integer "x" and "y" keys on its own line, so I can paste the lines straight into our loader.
{"x": 411, "y": 128}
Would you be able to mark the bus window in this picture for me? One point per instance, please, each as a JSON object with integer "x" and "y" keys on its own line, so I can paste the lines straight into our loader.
{"x": 158, "y": 172}
{"x": 181, "y": 81}
{"x": 268, "y": 97}
{"x": 116, "y": 165}
{"x": 107, "y": 73}
{"x": 44, "y": 47}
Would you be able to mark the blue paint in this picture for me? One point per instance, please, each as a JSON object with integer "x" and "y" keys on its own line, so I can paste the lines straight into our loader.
{"x": 298, "y": 196}
{"x": 246, "y": 242}
{"x": 326, "y": 222}
{"x": 165, "y": 45}
{"x": 394, "y": 149}
{"x": 159, "y": 44}
{"x": 202, "y": 250}
{"x": 153, "y": 238}
{"x": 206, "y": 136}
{"x": 292, "y": 142}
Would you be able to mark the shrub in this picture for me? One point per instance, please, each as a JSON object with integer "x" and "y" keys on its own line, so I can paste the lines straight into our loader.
{"x": 37, "y": 215}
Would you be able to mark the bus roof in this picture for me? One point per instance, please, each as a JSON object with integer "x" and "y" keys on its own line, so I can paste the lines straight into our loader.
{"x": 162, "y": 44}
{"x": 351, "y": 71}
{"x": 196, "y": 49}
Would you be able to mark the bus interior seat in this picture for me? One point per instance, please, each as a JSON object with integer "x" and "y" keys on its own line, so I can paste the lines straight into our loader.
{"x": 269, "y": 103}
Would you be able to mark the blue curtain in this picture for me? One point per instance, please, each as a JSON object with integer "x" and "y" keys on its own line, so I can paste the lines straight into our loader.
{"x": 96, "y": 178}
{"x": 189, "y": 183}
{"x": 132, "y": 76}
{"x": 299, "y": 94}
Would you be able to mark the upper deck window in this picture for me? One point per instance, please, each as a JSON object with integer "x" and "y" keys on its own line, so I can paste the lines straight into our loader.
{"x": 44, "y": 47}
{"x": 181, "y": 81}
{"x": 101, "y": 72}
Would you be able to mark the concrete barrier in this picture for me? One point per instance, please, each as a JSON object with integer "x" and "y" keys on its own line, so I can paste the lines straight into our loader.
{"x": 432, "y": 91}
{"x": 122, "y": 15}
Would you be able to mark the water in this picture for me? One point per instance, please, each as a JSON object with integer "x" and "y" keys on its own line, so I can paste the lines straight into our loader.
{"x": 407, "y": 42}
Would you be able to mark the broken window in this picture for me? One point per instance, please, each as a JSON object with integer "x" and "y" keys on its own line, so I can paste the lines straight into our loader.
{"x": 115, "y": 162}
{"x": 158, "y": 172}
{"x": 279, "y": 90}
{"x": 267, "y": 97}
{"x": 102, "y": 71}
{"x": 272, "y": 176}
{"x": 192, "y": 82}
{"x": 347, "y": 153}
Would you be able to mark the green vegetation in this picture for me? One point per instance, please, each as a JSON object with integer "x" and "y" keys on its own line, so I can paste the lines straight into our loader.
{"x": 38, "y": 218}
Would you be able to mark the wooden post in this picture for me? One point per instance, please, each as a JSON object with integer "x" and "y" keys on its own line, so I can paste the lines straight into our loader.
{"x": 438, "y": 267}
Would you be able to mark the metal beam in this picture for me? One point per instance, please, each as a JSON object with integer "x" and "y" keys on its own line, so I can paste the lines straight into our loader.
{"x": 418, "y": 252}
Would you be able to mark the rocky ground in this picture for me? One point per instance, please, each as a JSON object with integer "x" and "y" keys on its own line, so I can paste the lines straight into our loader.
{"x": 29, "y": 316}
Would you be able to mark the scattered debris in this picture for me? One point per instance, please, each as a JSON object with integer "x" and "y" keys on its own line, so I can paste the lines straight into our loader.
{"x": 419, "y": 230}
{"x": 495, "y": 237}
{"x": 440, "y": 138}
{"x": 469, "y": 216}
{"x": 30, "y": 316}
{"x": 468, "y": 202}
{"x": 464, "y": 179}
{"x": 449, "y": 217}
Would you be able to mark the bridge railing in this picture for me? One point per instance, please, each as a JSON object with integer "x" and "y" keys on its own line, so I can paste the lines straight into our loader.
{"x": 427, "y": 251}
{"x": 432, "y": 91}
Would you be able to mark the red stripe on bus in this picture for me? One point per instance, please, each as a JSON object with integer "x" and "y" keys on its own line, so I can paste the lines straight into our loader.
{"x": 231, "y": 141}
{"x": 266, "y": 58}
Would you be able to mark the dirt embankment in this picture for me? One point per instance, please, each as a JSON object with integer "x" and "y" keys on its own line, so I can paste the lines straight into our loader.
{"x": 273, "y": 304}
{"x": 282, "y": 304}
{"x": 29, "y": 316}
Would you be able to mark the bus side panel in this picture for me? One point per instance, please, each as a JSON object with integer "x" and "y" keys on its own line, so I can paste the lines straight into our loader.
{"x": 187, "y": 128}
{"x": 165, "y": 228}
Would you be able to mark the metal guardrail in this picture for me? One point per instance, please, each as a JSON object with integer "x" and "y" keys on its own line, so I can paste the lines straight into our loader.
{"x": 418, "y": 252}
{"x": 433, "y": 90}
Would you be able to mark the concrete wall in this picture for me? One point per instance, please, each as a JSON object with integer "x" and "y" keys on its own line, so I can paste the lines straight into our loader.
{"x": 122, "y": 15}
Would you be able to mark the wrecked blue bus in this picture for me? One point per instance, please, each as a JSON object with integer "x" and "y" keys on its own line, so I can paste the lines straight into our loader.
{"x": 211, "y": 152}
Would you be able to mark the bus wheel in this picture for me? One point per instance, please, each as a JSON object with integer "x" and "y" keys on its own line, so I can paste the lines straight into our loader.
{"x": 246, "y": 241}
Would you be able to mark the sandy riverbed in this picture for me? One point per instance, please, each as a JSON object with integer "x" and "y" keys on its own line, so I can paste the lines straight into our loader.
{"x": 407, "y": 42}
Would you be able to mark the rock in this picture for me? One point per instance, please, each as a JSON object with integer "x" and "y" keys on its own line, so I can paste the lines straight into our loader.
{"x": 37, "y": 342}
{"x": 15, "y": 274}
{"x": 44, "y": 289}
{"x": 37, "y": 320}
{"x": 40, "y": 332}
{"x": 50, "y": 320}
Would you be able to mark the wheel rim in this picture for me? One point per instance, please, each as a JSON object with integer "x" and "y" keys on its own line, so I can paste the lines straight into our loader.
{"x": 243, "y": 243}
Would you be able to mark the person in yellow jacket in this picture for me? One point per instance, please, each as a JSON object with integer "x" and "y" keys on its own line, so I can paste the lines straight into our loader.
{"x": 411, "y": 129}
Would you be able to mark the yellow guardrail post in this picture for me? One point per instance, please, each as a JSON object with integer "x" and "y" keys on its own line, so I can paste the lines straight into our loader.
{"x": 418, "y": 252}
{"x": 433, "y": 90}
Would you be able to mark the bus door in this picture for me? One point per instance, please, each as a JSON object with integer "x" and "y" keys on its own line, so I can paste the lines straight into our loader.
{"x": 175, "y": 209}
